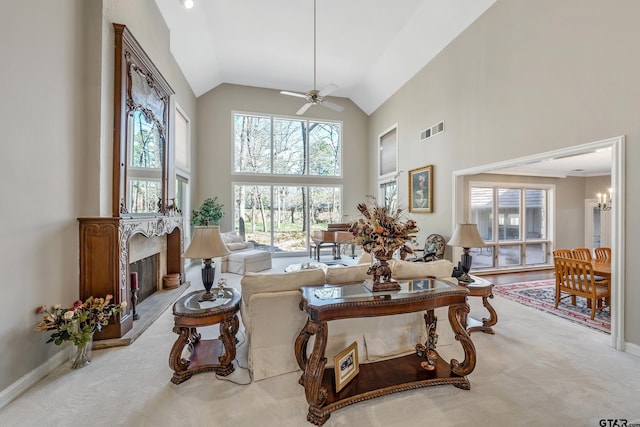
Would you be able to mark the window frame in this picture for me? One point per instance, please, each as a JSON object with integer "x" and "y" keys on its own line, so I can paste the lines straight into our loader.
{"x": 524, "y": 241}
{"x": 273, "y": 117}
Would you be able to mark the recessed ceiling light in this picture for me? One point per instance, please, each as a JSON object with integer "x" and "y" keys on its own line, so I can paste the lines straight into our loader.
{"x": 187, "y": 3}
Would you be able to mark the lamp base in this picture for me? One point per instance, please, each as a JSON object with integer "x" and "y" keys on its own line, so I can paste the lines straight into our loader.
{"x": 208, "y": 276}
{"x": 207, "y": 296}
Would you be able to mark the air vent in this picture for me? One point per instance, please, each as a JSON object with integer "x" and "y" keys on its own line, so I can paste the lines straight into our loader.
{"x": 432, "y": 131}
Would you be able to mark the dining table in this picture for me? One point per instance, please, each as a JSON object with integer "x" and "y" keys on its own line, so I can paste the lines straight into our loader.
{"x": 602, "y": 267}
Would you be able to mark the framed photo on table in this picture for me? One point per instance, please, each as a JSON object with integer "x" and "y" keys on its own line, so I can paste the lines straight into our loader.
{"x": 421, "y": 189}
{"x": 345, "y": 366}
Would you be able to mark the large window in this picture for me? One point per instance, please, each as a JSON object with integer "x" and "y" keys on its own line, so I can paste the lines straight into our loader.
{"x": 280, "y": 212}
{"x": 286, "y": 146}
{"x": 282, "y": 217}
{"x": 514, "y": 222}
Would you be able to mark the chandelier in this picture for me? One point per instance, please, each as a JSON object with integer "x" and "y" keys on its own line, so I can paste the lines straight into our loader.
{"x": 604, "y": 201}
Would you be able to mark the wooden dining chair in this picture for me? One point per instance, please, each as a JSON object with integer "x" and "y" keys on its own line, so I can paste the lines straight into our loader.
{"x": 582, "y": 253}
{"x": 603, "y": 254}
{"x": 576, "y": 279}
{"x": 564, "y": 253}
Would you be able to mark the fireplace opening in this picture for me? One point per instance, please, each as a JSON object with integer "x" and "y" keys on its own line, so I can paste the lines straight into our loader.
{"x": 147, "y": 269}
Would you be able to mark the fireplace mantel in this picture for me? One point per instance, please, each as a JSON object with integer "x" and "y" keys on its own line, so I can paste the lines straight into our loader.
{"x": 104, "y": 259}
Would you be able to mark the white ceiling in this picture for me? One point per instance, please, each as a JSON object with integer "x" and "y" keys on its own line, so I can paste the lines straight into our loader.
{"x": 369, "y": 48}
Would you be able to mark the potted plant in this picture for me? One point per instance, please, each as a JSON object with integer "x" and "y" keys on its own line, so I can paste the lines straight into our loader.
{"x": 210, "y": 213}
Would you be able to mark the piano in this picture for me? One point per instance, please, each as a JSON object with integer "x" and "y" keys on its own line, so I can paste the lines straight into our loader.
{"x": 334, "y": 236}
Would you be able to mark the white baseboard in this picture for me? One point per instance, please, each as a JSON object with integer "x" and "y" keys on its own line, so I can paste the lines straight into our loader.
{"x": 632, "y": 349}
{"x": 10, "y": 393}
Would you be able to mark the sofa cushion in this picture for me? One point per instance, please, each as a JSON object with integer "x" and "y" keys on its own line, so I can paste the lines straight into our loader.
{"x": 409, "y": 270}
{"x": 231, "y": 237}
{"x": 253, "y": 283}
{"x": 336, "y": 274}
{"x": 236, "y": 246}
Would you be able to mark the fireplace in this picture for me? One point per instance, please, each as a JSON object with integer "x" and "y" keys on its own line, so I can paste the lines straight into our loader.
{"x": 148, "y": 273}
{"x": 111, "y": 247}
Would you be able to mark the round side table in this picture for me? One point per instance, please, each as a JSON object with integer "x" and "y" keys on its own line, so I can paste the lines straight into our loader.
{"x": 217, "y": 355}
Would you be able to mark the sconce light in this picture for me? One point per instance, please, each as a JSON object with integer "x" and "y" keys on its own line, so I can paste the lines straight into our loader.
{"x": 604, "y": 203}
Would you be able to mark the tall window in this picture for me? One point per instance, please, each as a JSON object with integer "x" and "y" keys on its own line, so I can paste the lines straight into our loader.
{"x": 182, "y": 136}
{"x": 282, "y": 217}
{"x": 514, "y": 222}
{"x": 283, "y": 146}
{"x": 388, "y": 168}
{"x": 280, "y": 213}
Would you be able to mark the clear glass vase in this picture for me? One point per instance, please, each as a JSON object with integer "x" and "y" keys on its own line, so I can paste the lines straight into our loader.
{"x": 79, "y": 357}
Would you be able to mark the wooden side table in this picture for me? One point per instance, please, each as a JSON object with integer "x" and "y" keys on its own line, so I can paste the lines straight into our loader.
{"x": 206, "y": 355}
{"x": 481, "y": 288}
{"x": 424, "y": 368}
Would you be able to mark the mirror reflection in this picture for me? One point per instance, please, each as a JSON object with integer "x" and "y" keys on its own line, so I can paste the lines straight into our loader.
{"x": 144, "y": 163}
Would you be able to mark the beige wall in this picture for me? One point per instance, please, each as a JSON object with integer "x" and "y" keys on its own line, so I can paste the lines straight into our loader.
{"x": 214, "y": 154}
{"x": 529, "y": 76}
{"x": 57, "y": 82}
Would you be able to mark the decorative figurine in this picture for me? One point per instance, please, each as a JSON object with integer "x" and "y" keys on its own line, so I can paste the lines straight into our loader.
{"x": 221, "y": 285}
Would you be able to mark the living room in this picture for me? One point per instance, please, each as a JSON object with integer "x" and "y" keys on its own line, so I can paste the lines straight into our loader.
{"x": 526, "y": 78}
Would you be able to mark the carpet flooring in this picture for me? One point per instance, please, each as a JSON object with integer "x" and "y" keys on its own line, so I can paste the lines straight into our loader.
{"x": 537, "y": 370}
{"x": 540, "y": 294}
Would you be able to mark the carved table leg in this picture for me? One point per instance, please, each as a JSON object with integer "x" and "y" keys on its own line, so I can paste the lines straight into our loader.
{"x": 301, "y": 348}
{"x": 176, "y": 362}
{"x": 228, "y": 329}
{"x": 486, "y": 323}
{"x": 457, "y": 314}
{"x": 431, "y": 354}
{"x": 313, "y": 372}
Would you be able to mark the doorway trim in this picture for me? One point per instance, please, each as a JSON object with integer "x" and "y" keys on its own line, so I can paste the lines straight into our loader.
{"x": 617, "y": 214}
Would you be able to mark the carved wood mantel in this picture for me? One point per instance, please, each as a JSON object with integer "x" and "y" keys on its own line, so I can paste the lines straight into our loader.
{"x": 104, "y": 259}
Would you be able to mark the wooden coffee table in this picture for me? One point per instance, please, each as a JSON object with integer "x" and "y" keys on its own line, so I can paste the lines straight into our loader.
{"x": 481, "y": 288}
{"x": 206, "y": 355}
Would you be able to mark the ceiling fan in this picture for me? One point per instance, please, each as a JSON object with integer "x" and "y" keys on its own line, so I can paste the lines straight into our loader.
{"x": 315, "y": 96}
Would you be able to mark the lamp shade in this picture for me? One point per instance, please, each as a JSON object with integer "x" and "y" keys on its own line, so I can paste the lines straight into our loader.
{"x": 206, "y": 243}
{"x": 466, "y": 236}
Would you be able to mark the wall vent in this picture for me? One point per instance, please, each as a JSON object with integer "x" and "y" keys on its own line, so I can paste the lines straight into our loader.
{"x": 432, "y": 131}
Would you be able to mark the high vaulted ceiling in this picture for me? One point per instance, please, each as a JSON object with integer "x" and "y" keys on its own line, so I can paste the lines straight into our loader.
{"x": 369, "y": 48}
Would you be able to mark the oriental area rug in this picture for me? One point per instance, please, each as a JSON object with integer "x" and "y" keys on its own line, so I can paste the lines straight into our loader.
{"x": 540, "y": 294}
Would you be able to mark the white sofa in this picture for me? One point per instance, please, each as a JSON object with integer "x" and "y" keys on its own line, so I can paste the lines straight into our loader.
{"x": 272, "y": 317}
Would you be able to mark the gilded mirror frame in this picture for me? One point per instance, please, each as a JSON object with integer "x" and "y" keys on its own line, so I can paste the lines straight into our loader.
{"x": 138, "y": 87}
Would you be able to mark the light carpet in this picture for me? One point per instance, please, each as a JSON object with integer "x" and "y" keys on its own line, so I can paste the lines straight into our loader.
{"x": 537, "y": 370}
{"x": 541, "y": 294}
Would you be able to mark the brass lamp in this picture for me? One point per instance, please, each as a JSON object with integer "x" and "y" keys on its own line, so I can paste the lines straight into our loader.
{"x": 207, "y": 244}
{"x": 466, "y": 236}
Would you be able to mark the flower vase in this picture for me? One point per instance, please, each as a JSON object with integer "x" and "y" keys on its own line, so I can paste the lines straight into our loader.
{"x": 80, "y": 356}
{"x": 381, "y": 272}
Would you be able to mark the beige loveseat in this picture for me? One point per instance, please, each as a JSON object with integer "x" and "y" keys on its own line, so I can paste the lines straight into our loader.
{"x": 272, "y": 317}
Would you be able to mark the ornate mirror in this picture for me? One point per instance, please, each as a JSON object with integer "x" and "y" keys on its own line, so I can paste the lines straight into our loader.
{"x": 140, "y": 143}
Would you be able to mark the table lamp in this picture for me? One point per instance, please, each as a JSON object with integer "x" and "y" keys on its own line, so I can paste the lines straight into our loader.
{"x": 207, "y": 244}
{"x": 466, "y": 236}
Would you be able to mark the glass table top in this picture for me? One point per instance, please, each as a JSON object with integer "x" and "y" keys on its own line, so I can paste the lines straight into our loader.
{"x": 407, "y": 288}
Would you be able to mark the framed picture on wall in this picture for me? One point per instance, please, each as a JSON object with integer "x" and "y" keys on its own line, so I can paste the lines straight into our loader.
{"x": 346, "y": 366}
{"x": 421, "y": 189}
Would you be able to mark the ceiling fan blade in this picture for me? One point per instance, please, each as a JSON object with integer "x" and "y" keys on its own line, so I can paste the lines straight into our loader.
{"x": 304, "y": 108}
{"x": 299, "y": 95}
{"x": 328, "y": 89}
{"x": 333, "y": 106}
